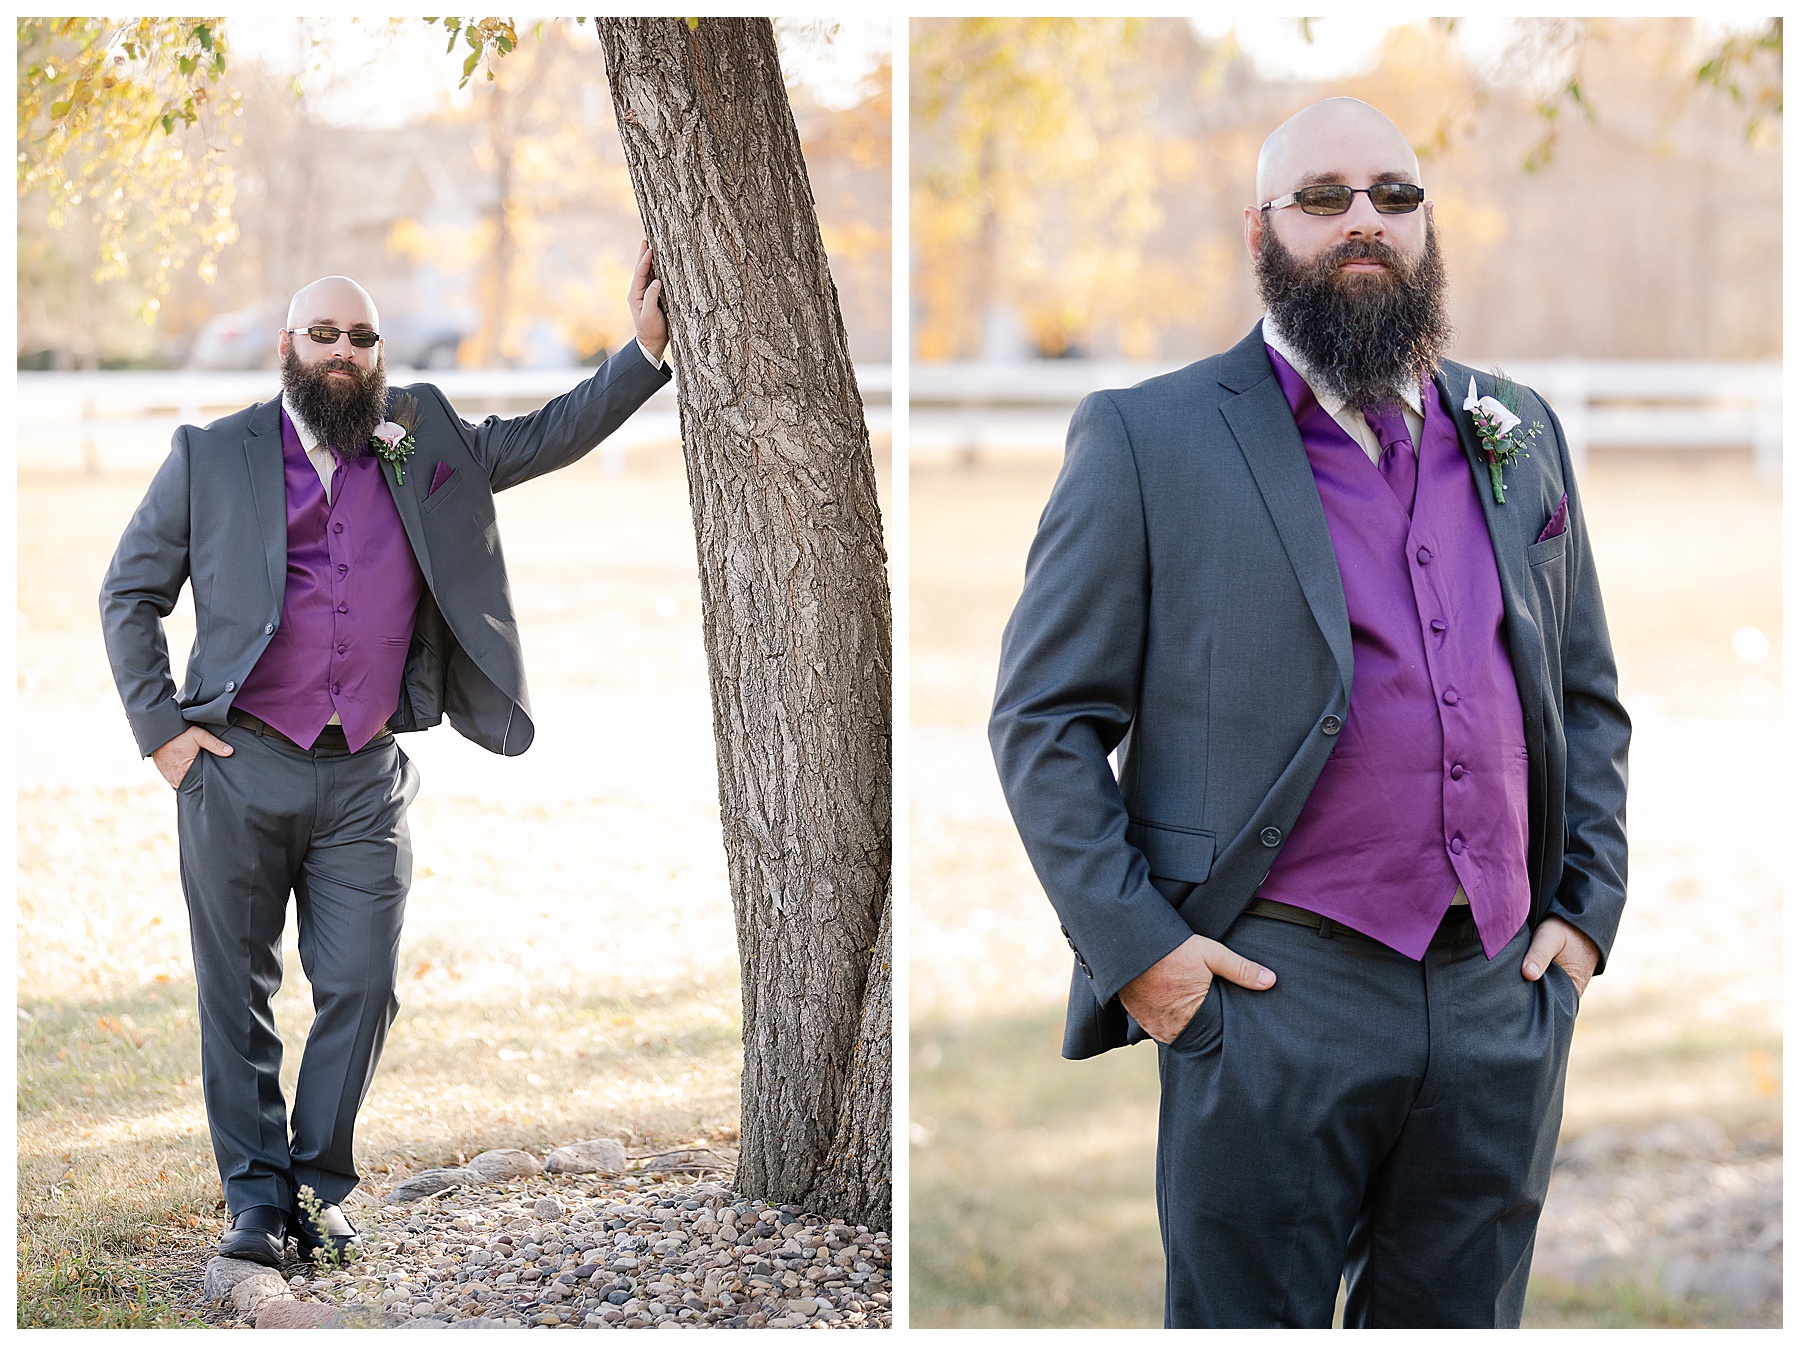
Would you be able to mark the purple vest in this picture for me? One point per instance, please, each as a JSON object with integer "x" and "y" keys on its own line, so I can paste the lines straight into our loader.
{"x": 353, "y": 589}
{"x": 1426, "y": 786}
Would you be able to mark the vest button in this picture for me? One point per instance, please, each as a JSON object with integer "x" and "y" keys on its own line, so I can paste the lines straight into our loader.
{"x": 334, "y": 689}
{"x": 1457, "y": 772}
{"x": 1437, "y": 624}
{"x": 269, "y": 630}
{"x": 1271, "y": 836}
{"x": 337, "y": 527}
{"x": 343, "y": 569}
{"x": 1451, "y": 697}
{"x": 1424, "y": 555}
{"x": 343, "y": 649}
{"x": 1330, "y": 724}
{"x": 343, "y": 607}
{"x": 231, "y": 686}
{"x": 1456, "y": 845}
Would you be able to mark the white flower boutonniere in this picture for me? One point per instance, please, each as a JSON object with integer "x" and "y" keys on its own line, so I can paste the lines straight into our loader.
{"x": 1496, "y": 421}
{"x": 393, "y": 440}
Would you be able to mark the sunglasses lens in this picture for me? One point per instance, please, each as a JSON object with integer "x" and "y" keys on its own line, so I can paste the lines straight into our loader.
{"x": 363, "y": 340}
{"x": 323, "y": 335}
{"x": 1396, "y": 198}
{"x": 1324, "y": 200}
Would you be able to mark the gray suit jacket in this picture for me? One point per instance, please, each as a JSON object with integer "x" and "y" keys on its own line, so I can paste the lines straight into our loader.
{"x": 1182, "y": 606}
{"x": 216, "y": 516}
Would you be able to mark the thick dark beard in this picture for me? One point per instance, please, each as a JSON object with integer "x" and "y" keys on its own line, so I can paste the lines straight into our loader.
{"x": 342, "y": 416}
{"x": 1365, "y": 337}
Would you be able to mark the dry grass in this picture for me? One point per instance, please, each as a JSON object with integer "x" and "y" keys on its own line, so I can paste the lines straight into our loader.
{"x": 1031, "y": 1190}
{"x": 568, "y": 966}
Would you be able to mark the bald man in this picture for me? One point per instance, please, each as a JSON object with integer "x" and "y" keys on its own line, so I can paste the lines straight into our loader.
{"x": 348, "y": 585}
{"x": 1364, "y": 844}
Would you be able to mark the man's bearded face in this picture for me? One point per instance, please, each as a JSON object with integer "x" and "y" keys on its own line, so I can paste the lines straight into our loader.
{"x": 343, "y": 412}
{"x": 1365, "y": 335}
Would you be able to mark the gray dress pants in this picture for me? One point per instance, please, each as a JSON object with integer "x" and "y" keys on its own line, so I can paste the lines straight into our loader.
{"x": 1369, "y": 1117}
{"x": 328, "y": 826}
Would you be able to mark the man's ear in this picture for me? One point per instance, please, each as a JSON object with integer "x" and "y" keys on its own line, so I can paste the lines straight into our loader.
{"x": 282, "y": 342}
{"x": 1253, "y": 231}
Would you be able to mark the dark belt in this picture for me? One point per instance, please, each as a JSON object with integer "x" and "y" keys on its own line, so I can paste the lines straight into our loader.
{"x": 331, "y": 737}
{"x": 1455, "y": 920}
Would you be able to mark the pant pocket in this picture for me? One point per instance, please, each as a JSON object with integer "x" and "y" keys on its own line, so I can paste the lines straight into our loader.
{"x": 1204, "y": 1030}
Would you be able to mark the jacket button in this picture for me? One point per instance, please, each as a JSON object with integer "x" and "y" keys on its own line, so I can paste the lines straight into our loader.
{"x": 1424, "y": 555}
{"x": 231, "y": 686}
{"x": 1451, "y": 696}
{"x": 1456, "y": 845}
{"x": 269, "y": 630}
{"x": 1330, "y": 724}
{"x": 1271, "y": 836}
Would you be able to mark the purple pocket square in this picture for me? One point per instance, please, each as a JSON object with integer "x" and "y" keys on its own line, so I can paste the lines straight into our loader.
{"x": 1559, "y": 521}
{"x": 443, "y": 474}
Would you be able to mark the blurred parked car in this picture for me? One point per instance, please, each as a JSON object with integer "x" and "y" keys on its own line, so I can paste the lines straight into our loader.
{"x": 245, "y": 339}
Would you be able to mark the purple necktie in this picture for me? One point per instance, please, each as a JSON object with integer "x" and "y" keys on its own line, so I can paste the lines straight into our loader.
{"x": 1399, "y": 464}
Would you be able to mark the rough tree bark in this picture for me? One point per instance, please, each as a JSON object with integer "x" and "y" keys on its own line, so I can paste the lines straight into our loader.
{"x": 794, "y": 595}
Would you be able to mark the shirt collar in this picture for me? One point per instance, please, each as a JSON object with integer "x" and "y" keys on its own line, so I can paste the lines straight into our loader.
{"x": 1332, "y": 404}
{"x": 308, "y": 440}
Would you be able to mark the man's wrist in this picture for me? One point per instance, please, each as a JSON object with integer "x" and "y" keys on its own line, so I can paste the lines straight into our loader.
{"x": 653, "y": 359}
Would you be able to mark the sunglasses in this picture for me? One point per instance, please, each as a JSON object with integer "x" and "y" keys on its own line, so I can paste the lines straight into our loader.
{"x": 1388, "y": 198}
{"x": 327, "y": 336}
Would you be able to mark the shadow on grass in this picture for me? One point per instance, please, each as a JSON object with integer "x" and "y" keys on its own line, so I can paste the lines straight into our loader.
{"x": 1033, "y": 1195}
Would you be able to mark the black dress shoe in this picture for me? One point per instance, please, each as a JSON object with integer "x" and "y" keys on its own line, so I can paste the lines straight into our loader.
{"x": 257, "y": 1234}
{"x": 338, "y": 1237}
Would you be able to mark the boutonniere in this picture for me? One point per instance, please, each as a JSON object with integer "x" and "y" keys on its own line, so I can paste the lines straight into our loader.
{"x": 393, "y": 440}
{"x": 1503, "y": 435}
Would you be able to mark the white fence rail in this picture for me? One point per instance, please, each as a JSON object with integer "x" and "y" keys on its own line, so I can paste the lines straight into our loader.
{"x": 966, "y": 408}
{"x": 125, "y": 418}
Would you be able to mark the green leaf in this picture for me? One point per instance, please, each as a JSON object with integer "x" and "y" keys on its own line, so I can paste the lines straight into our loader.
{"x": 693, "y": 25}
{"x": 470, "y": 64}
{"x": 168, "y": 123}
{"x": 61, "y": 110}
{"x": 187, "y": 65}
{"x": 203, "y": 35}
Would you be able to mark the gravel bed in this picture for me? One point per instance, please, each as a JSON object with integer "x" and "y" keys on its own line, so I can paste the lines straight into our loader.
{"x": 629, "y": 1252}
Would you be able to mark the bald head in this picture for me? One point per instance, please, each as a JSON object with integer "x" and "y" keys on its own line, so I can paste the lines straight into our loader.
{"x": 336, "y": 300}
{"x": 1336, "y": 140}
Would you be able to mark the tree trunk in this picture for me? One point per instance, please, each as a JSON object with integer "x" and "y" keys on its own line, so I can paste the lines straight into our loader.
{"x": 794, "y": 595}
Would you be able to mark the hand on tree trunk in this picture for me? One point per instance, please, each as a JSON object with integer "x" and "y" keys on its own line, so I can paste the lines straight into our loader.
{"x": 645, "y": 302}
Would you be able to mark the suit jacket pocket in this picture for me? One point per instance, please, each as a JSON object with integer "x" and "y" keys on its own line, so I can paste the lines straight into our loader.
{"x": 451, "y": 486}
{"x": 1184, "y": 854}
{"x": 1550, "y": 549}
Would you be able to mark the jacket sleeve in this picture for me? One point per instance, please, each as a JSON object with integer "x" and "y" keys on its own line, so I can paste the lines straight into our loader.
{"x": 140, "y": 589}
{"x": 516, "y": 449}
{"x": 1591, "y": 893}
{"x": 1070, "y": 664}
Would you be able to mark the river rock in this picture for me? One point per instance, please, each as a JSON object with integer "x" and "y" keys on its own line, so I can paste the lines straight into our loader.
{"x": 222, "y": 1273}
{"x": 291, "y": 1313}
{"x": 434, "y": 1180}
{"x": 547, "y": 1208}
{"x": 503, "y": 1165}
{"x": 587, "y": 1156}
{"x": 249, "y": 1294}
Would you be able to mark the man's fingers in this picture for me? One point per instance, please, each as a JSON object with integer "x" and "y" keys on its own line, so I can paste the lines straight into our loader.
{"x": 1236, "y": 968}
{"x": 1545, "y": 945}
{"x": 218, "y": 747}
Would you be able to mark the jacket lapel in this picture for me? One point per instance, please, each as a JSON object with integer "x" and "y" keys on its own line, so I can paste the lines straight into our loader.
{"x": 1263, "y": 424}
{"x": 268, "y": 491}
{"x": 407, "y": 502}
{"x": 1524, "y": 641}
